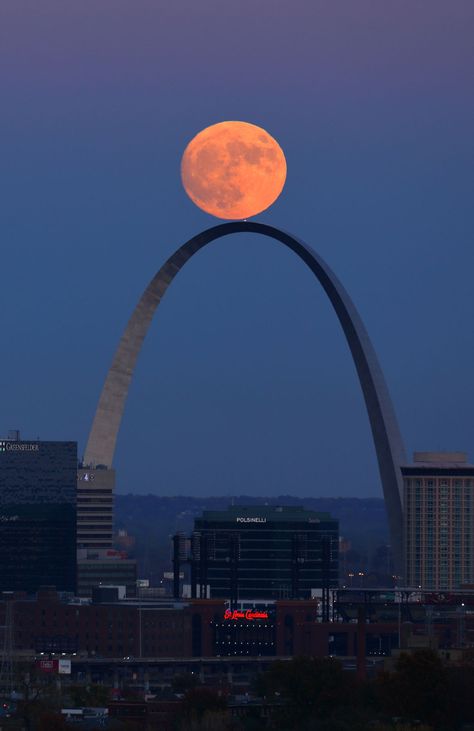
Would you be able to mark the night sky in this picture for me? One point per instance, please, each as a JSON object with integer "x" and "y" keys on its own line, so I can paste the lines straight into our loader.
{"x": 245, "y": 383}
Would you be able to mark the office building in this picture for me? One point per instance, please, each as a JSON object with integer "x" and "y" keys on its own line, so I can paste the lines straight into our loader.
{"x": 97, "y": 562}
{"x": 37, "y": 514}
{"x": 263, "y": 552}
{"x": 95, "y": 569}
{"x": 438, "y": 520}
{"x": 95, "y": 506}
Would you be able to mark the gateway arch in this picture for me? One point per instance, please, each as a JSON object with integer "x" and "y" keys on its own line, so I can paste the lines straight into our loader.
{"x": 385, "y": 431}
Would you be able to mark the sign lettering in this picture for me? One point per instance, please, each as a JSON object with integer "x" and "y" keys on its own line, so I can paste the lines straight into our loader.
{"x": 18, "y": 447}
{"x": 249, "y": 614}
{"x": 251, "y": 520}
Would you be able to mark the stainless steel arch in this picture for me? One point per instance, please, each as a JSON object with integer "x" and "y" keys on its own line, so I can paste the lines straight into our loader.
{"x": 386, "y": 434}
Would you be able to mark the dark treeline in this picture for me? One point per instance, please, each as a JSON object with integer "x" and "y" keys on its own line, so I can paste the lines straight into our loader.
{"x": 316, "y": 694}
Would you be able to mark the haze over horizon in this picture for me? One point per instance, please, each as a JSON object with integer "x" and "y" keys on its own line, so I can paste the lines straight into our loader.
{"x": 245, "y": 384}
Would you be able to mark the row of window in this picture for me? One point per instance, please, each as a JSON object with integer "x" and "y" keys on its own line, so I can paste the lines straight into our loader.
{"x": 436, "y": 483}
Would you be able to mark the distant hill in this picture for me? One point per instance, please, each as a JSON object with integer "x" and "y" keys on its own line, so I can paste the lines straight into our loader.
{"x": 153, "y": 519}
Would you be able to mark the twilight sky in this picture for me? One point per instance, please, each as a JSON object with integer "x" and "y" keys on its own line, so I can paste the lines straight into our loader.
{"x": 245, "y": 383}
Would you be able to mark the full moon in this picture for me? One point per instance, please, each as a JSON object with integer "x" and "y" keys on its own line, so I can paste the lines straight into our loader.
{"x": 233, "y": 170}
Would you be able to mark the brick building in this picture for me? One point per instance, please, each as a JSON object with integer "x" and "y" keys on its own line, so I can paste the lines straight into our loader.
{"x": 164, "y": 629}
{"x": 113, "y": 629}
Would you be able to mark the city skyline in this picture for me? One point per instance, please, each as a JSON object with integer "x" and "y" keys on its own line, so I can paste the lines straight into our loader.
{"x": 247, "y": 503}
{"x": 379, "y": 160}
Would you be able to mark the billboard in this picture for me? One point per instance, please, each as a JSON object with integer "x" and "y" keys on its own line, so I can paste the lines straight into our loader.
{"x": 60, "y": 667}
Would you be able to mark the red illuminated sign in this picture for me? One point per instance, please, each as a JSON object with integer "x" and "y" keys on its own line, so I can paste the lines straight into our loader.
{"x": 248, "y": 614}
{"x": 47, "y": 666}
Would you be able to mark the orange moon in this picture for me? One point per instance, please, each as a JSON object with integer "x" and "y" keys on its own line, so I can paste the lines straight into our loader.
{"x": 233, "y": 170}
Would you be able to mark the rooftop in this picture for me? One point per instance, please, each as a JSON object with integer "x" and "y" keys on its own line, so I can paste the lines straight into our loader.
{"x": 439, "y": 460}
{"x": 270, "y": 513}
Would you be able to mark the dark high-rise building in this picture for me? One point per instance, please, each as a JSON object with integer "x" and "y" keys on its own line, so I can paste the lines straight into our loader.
{"x": 264, "y": 552}
{"x": 37, "y": 514}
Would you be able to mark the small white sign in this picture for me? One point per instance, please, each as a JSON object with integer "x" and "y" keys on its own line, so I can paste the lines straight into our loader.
{"x": 64, "y": 667}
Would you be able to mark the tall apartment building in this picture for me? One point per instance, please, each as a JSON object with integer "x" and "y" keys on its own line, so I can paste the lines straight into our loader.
{"x": 37, "y": 514}
{"x": 438, "y": 520}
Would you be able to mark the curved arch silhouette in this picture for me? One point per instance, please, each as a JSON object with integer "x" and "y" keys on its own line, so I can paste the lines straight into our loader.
{"x": 386, "y": 434}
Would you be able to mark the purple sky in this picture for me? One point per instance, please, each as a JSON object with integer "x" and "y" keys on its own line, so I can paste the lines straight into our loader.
{"x": 246, "y": 383}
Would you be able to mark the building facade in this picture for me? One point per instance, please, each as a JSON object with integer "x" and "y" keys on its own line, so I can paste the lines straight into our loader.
{"x": 210, "y": 628}
{"x": 263, "y": 552}
{"x": 37, "y": 514}
{"x": 97, "y": 562}
{"x": 108, "y": 568}
{"x": 438, "y": 520}
{"x": 153, "y": 629}
{"x": 95, "y": 507}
